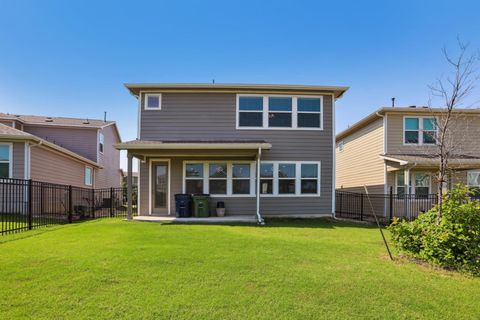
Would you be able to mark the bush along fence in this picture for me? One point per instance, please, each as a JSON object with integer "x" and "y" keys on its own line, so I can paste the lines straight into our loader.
{"x": 28, "y": 204}
{"x": 358, "y": 206}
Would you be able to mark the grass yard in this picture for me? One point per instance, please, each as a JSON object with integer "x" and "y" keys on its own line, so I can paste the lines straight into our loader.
{"x": 112, "y": 269}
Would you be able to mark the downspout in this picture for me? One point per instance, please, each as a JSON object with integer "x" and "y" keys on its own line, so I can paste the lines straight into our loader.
{"x": 385, "y": 171}
{"x": 260, "y": 220}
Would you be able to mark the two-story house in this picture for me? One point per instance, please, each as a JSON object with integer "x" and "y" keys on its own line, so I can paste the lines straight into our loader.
{"x": 395, "y": 149}
{"x": 77, "y": 152}
{"x": 261, "y": 149}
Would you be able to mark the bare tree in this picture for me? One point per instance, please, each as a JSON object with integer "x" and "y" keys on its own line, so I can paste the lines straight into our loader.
{"x": 452, "y": 91}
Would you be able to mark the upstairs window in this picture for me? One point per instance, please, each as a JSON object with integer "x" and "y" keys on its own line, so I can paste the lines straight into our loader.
{"x": 153, "y": 101}
{"x": 341, "y": 146}
{"x": 101, "y": 142}
{"x": 250, "y": 112}
{"x": 280, "y": 112}
{"x": 429, "y": 130}
{"x": 5, "y": 161}
{"x": 412, "y": 130}
{"x": 309, "y": 113}
{"x": 420, "y": 130}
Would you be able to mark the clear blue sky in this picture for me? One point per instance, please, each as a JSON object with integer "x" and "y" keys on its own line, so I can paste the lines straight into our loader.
{"x": 66, "y": 58}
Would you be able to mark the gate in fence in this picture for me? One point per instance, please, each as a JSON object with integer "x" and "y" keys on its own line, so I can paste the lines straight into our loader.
{"x": 359, "y": 206}
{"x": 28, "y": 204}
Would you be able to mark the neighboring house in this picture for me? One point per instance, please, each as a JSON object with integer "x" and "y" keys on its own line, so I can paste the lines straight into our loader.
{"x": 211, "y": 138}
{"x": 77, "y": 152}
{"x": 134, "y": 178}
{"x": 395, "y": 148}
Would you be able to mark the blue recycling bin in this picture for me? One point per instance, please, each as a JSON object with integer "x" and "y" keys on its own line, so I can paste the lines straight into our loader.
{"x": 183, "y": 205}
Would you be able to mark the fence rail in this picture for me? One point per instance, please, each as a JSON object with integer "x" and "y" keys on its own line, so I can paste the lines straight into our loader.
{"x": 359, "y": 206}
{"x": 28, "y": 204}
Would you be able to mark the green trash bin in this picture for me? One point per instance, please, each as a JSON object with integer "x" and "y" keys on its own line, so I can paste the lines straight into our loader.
{"x": 201, "y": 206}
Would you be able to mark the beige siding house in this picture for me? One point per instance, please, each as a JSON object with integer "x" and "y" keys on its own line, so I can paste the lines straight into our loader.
{"x": 394, "y": 149}
{"x": 77, "y": 152}
{"x": 261, "y": 149}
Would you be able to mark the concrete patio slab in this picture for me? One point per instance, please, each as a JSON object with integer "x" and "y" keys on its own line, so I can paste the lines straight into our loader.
{"x": 227, "y": 219}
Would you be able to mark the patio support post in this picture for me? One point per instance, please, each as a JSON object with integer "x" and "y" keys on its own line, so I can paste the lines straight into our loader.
{"x": 407, "y": 193}
{"x": 407, "y": 180}
{"x": 259, "y": 217}
{"x": 129, "y": 186}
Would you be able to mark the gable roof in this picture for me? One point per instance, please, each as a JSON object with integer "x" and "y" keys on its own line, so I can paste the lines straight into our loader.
{"x": 11, "y": 134}
{"x": 379, "y": 113}
{"x": 46, "y": 120}
{"x": 135, "y": 88}
{"x": 61, "y": 122}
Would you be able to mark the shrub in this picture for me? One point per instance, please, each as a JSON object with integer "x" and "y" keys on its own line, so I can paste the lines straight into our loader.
{"x": 451, "y": 241}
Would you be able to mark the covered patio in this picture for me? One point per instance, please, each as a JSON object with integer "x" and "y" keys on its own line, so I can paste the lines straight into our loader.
{"x": 170, "y": 167}
{"x": 414, "y": 173}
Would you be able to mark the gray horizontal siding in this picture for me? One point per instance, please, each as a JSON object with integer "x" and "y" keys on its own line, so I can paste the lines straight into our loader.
{"x": 109, "y": 175}
{"x": 243, "y": 205}
{"x": 213, "y": 116}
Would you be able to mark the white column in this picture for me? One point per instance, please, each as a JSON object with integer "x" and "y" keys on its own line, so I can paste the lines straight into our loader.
{"x": 407, "y": 181}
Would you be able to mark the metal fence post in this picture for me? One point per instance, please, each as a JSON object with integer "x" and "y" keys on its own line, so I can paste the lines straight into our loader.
{"x": 391, "y": 203}
{"x": 30, "y": 204}
{"x": 93, "y": 204}
{"x": 111, "y": 202}
{"x": 70, "y": 204}
{"x": 361, "y": 206}
{"x": 340, "y": 202}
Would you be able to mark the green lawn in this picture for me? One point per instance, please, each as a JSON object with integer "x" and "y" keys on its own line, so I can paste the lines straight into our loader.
{"x": 112, "y": 269}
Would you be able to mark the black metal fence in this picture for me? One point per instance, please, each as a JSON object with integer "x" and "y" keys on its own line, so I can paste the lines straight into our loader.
{"x": 28, "y": 204}
{"x": 359, "y": 206}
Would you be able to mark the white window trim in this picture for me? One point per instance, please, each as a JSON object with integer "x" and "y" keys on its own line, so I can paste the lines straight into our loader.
{"x": 229, "y": 163}
{"x": 10, "y": 158}
{"x": 298, "y": 179}
{"x": 413, "y": 173}
{"x": 206, "y": 177}
{"x": 411, "y": 188}
{"x": 145, "y": 101}
{"x": 405, "y": 192}
{"x": 265, "y": 112}
{"x": 150, "y": 183}
{"x": 420, "y": 130}
{"x": 472, "y": 171}
{"x": 85, "y": 176}
{"x": 100, "y": 135}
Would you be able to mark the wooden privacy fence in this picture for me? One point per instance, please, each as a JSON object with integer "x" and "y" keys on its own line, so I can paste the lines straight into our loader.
{"x": 28, "y": 204}
{"x": 358, "y": 206}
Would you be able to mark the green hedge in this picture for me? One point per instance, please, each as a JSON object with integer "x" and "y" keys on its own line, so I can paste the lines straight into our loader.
{"x": 453, "y": 241}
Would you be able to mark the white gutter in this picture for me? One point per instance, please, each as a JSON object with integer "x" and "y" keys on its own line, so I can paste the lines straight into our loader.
{"x": 400, "y": 162}
{"x": 191, "y": 146}
{"x": 259, "y": 217}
